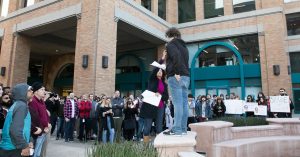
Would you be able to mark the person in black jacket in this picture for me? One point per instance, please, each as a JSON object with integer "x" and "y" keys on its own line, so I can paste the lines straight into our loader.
{"x": 219, "y": 108}
{"x": 106, "y": 114}
{"x": 178, "y": 80}
{"x": 52, "y": 105}
{"x": 150, "y": 112}
{"x": 129, "y": 123}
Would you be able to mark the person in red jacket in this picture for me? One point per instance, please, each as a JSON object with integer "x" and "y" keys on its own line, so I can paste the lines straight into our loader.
{"x": 85, "y": 108}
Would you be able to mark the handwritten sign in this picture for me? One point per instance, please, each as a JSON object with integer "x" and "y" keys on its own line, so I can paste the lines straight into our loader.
{"x": 234, "y": 106}
{"x": 261, "y": 110}
{"x": 280, "y": 104}
{"x": 250, "y": 106}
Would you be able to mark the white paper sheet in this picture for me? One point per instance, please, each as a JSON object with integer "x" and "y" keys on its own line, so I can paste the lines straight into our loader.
{"x": 161, "y": 66}
{"x": 261, "y": 110}
{"x": 151, "y": 98}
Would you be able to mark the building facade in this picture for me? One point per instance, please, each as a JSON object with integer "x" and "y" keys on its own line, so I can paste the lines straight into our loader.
{"x": 97, "y": 46}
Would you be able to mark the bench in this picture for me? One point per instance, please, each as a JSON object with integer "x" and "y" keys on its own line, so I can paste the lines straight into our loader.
{"x": 273, "y": 146}
{"x": 170, "y": 146}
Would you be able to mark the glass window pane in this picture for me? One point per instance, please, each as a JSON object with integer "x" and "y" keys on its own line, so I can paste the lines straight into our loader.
{"x": 295, "y": 64}
{"x": 186, "y": 11}
{"x": 146, "y": 4}
{"x": 240, "y": 6}
{"x": 221, "y": 56}
{"x": 213, "y": 8}
{"x": 4, "y": 9}
{"x": 293, "y": 24}
{"x": 287, "y": 1}
{"x": 162, "y": 8}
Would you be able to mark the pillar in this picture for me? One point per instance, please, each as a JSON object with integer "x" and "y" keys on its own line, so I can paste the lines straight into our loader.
{"x": 228, "y": 7}
{"x": 20, "y": 60}
{"x": 96, "y": 37}
{"x": 172, "y": 11}
{"x": 199, "y": 4}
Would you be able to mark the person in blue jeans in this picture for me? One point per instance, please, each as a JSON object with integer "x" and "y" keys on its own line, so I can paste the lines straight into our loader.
{"x": 107, "y": 120}
{"x": 177, "y": 70}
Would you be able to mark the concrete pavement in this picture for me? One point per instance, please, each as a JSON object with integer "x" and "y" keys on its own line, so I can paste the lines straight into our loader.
{"x": 60, "y": 148}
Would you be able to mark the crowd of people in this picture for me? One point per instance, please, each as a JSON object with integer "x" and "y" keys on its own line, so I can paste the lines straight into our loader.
{"x": 29, "y": 115}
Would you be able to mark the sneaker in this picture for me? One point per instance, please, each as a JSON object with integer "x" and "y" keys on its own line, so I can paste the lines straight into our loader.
{"x": 171, "y": 133}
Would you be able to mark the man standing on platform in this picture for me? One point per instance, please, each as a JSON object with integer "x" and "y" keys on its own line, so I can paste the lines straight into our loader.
{"x": 178, "y": 80}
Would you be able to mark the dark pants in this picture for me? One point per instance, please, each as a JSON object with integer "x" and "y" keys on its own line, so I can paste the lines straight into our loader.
{"x": 53, "y": 120}
{"x": 190, "y": 121}
{"x": 60, "y": 128}
{"x": 128, "y": 134}
{"x": 94, "y": 125}
{"x": 11, "y": 153}
{"x": 84, "y": 125}
{"x": 69, "y": 130}
{"x": 147, "y": 126}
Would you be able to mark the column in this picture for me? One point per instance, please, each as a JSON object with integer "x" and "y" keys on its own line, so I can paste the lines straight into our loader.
{"x": 13, "y": 6}
{"x": 96, "y": 37}
{"x": 154, "y": 6}
{"x": 20, "y": 60}
{"x": 228, "y": 7}
{"x": 172, "y": 11}
{"x": 199, "y": 9}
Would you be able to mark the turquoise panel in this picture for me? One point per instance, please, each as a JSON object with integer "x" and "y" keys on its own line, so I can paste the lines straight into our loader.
{"x": 296, "y": 78}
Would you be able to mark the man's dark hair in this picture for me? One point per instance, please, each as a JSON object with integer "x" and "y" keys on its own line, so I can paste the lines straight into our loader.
{"x": 173, "y": 32}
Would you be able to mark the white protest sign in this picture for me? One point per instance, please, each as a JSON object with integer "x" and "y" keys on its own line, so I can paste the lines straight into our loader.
{"x": 250, "y": 106}
{"x": 234, "y": 106}
{"x": 261, "y": 110}
{"x": 280, "y": 103}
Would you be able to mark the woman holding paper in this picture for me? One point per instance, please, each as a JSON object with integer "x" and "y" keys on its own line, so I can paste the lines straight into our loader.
{"x": 150, "y": 112}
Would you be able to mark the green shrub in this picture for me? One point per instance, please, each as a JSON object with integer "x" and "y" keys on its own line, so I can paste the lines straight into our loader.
{"x": 244, "y": 121}
{"x": 126, "y": 149}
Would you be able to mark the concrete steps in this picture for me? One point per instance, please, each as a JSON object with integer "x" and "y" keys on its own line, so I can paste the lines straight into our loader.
{"x": 273, "y": 146}
{"x": 170, "y": 146}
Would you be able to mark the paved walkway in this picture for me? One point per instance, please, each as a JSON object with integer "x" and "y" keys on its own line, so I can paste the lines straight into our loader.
{"x": 59, "y": 148}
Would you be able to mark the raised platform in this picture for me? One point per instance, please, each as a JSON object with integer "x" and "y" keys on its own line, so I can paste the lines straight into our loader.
{"x": 170, "y": 146}
{"x": 274, "y": 146}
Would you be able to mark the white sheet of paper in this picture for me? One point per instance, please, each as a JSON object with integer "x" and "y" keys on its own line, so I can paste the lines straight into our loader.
{"x": 161, "y": 66}
{"x": 250, "y": 106}
{"x": 151, "y": 98}
{"x": 261, "y": 110}
{"x": 280, "y": 104}
{"x": 234, "y": 106}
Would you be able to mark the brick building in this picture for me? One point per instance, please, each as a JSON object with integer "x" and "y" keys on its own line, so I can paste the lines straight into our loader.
{"x": 240, "y": 46}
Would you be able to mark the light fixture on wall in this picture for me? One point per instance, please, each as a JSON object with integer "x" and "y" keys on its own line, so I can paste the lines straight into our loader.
{"x": 85, "y": 61}
{"x": 104, "y": 61}
{"x": 2, "y": 72}
{"x": 276, "y": 70}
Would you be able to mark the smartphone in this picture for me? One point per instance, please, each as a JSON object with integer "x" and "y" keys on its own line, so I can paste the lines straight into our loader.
{"x": 31, "y": 151}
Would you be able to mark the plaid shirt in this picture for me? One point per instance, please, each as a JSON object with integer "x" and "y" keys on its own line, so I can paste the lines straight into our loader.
{"x": 68, "y": 109}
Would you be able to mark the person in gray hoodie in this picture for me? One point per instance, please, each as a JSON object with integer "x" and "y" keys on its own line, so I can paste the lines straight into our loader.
{"x": 16, "y": 131}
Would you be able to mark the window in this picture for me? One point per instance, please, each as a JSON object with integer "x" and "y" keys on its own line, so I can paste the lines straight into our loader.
{"x": 222, "y": 56}
{"x": 288, "y": 1}
{"x": 146, "y": 4}
{"x": 213, "y": 8}
{"x": 240, "y": 6}
{"x": 186, "y": 11}
{"x": 295, "y": 64}
{"x": 4, "y": 7}
{"x": 162, "y": 9}
{"x": 26, "y": 3}
{"x": 293, "y": 24}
